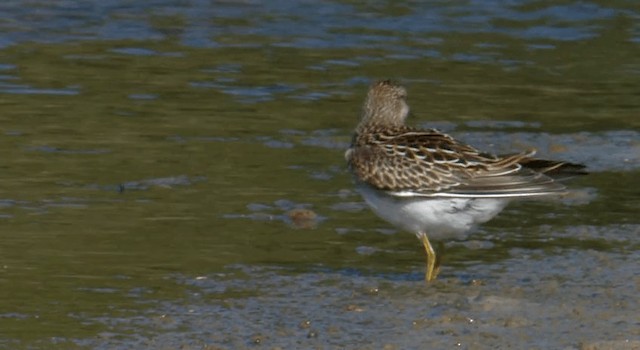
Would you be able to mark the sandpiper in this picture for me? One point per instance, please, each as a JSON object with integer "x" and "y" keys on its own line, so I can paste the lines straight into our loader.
{"x": 428, "y": 183}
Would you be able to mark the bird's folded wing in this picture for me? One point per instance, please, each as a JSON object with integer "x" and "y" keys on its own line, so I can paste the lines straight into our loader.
{"x": 432, "y": 164}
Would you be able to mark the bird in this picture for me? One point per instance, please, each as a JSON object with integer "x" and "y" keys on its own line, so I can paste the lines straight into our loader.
{"x": 426, "y": 182}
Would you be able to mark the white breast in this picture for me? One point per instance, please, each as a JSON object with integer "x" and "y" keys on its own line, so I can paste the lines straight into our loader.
{"x": 439, "y": 218}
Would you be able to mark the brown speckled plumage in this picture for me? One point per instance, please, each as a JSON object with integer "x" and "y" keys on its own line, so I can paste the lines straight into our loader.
{"x": 391, "y": 156}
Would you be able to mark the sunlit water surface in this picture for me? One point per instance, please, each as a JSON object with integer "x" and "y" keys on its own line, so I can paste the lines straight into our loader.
{"x": 173, "y": 174}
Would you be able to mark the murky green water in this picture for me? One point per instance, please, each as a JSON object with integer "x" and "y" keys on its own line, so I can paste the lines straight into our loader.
{"x": 155, "y": 155}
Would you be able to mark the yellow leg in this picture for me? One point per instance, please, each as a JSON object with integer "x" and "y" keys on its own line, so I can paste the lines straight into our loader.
{"x": 432, "y": 269}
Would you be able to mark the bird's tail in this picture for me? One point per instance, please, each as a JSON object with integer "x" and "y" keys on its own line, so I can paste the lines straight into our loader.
{"x": 555, "y": 169}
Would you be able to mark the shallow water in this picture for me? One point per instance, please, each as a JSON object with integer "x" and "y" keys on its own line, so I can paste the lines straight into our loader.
{"x": 173, "y": 175}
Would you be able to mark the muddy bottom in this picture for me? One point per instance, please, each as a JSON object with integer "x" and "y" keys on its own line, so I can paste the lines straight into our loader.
{"x": 577, "y": 299}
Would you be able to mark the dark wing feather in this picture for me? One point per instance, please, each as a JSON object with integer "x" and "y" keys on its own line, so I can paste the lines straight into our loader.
{"x": 408, "y": 162}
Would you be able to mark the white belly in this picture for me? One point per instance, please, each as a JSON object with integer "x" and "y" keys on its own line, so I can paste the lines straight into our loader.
{"x": 439, "y": 218}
